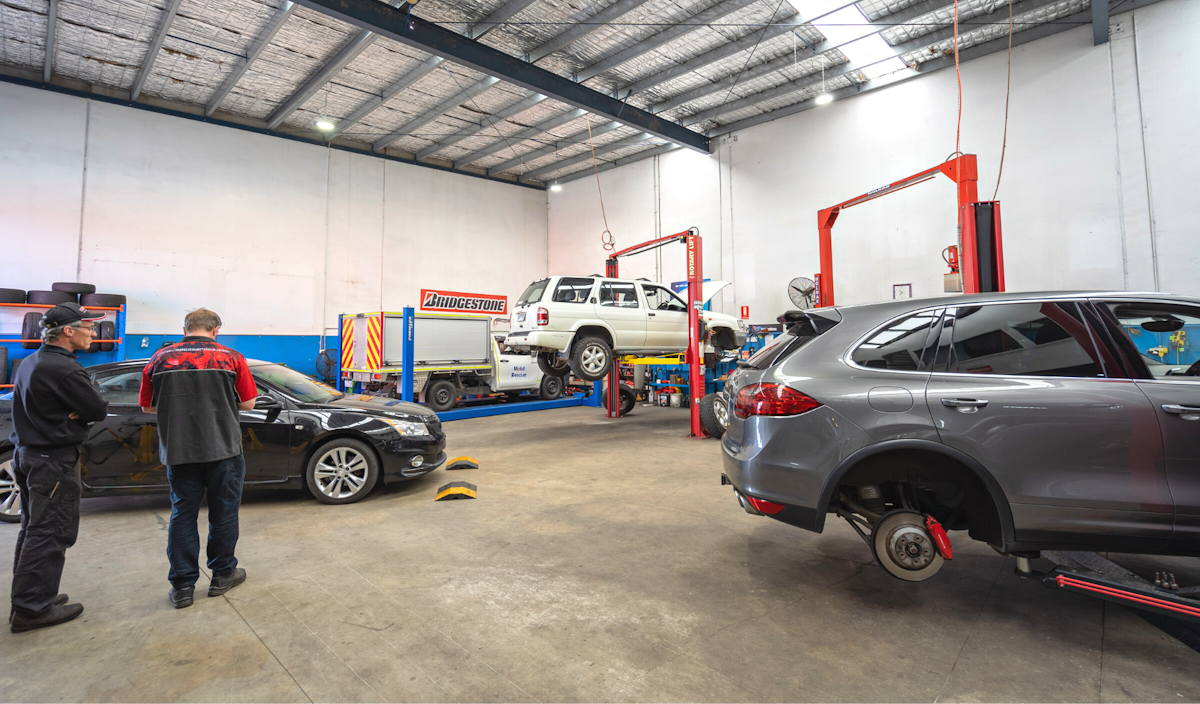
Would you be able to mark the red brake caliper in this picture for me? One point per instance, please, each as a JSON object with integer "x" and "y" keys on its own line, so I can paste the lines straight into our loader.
{"x": 939, "y": 537}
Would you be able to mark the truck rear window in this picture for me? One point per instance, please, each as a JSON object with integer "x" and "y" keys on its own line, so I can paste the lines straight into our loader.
{"x": 533, "y": 293}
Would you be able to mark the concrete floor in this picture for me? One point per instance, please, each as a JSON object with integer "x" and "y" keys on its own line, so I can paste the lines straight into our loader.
{"x": 602, "y": 562}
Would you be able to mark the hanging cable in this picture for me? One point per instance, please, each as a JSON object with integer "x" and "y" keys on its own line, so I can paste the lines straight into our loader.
{"x": 606, "y": 238}
{"x": 958, "y": 127}
{"x": 1007, "y": 92}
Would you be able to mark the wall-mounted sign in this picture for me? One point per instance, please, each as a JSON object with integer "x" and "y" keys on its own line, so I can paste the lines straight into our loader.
{"x": 456, "y": 302}
{"x": 745, "y": 312}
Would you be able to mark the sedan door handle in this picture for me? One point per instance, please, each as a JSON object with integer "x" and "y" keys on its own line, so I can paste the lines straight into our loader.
{"x": 964, "y": 405}
{"x": 1184, "y": 412}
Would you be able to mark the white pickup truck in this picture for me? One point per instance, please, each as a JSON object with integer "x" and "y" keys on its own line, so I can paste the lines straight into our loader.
{"x": 577, "y": 323}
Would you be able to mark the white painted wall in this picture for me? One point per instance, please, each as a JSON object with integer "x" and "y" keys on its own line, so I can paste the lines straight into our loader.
{"x": 275, "y": 235}
{"x": 1100, "y": 165}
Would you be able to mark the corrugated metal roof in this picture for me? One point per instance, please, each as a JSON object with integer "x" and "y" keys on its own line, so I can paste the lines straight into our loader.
{"x": 104, "y": 43}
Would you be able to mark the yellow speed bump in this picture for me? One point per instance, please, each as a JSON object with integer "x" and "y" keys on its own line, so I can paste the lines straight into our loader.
{"x": 456, "y": 490}
{"x": 463, "y": 463}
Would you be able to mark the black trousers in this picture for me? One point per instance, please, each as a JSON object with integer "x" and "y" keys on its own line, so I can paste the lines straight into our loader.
{"x": 50, "y": 487}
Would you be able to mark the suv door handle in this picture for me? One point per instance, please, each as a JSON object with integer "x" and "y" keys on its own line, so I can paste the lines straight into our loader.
{"x": 964, "y": 405}
{"x": 1184, "y": 412}
{"x": 650, "y": 315}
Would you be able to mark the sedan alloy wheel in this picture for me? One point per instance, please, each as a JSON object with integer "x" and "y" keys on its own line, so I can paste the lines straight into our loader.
{"x": 342, "y": 472}
{"x": 10, "y": 493}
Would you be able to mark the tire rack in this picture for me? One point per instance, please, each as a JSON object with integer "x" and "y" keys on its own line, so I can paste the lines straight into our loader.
{"x": 693, "y": 359}
{"x": 118, "y": 344}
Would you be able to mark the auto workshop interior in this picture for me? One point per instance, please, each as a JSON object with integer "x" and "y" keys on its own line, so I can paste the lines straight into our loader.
{"x": 606, "y": 350}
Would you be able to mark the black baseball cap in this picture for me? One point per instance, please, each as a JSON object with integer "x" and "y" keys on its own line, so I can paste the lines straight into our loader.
{"x": 67, "y": 313}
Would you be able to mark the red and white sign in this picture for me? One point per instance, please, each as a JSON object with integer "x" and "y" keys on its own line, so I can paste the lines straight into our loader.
{"x": 457, "y": 302}
{"x": 745, "y": 312}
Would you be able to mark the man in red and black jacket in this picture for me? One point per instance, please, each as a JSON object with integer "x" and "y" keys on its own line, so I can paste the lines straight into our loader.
{"x": 197, "y": 387}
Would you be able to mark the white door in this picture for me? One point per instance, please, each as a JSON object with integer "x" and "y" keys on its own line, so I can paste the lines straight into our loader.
{"x": 620, "y": 307}
{"x": 666, "y": 319}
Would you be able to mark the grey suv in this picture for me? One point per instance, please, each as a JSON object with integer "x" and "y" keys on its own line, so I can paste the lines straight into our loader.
{"x": 1034, "y": 421}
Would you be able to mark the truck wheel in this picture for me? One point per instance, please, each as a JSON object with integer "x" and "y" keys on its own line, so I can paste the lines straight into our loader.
{"x": 552, "y": 365}
{"x": 724, "y": 339}
{"x": 552, "y": 388}
{"x": 711, "y": 406}
{"x": 628, "y": 399}
{"x": 342, "y": 471}
{"x": 591, "y": 359}
{"x": 441, "y": 395}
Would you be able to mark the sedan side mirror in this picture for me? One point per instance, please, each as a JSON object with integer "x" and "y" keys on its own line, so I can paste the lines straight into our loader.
{"x": 264, "y": 402}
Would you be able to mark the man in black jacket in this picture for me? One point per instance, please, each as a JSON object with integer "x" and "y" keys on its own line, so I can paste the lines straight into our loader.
{"x": 54, "y": 400}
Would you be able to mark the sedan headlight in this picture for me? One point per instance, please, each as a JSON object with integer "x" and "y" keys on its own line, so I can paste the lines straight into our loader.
{"x": 408, "y": 428}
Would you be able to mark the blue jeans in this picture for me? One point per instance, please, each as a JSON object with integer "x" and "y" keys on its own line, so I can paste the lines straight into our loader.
{"x": 222, "y": 480}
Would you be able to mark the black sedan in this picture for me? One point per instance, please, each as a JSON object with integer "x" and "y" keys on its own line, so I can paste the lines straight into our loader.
{"x": 301, "y": 433}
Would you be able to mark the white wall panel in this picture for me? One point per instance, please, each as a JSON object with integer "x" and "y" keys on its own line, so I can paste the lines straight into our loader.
{"x": 41, "y": 182}
{"x": 277, "y": 236}
{"x": 1061, "y": 192}
{"x": 1168, "y": 62}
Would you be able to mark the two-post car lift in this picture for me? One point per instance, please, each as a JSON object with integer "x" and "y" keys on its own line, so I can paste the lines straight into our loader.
{"x": 693, "y": 358}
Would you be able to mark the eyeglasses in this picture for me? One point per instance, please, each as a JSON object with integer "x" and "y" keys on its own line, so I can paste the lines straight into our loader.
{"x": 89, "y": 328}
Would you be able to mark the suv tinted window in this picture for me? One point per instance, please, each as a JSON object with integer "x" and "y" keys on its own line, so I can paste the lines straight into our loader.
{"x": 1023, "y": 339}
{"x": 659, "y": 298}
{"x": 905, "y": 345}
{"x": 1165, "y": 336}
{"x": 571, "y": 290}
{"x": 533, "y": 293}
{"x": 618, "y": 295}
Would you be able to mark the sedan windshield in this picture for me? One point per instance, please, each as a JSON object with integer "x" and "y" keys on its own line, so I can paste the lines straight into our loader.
{"x": 295, "y": 384}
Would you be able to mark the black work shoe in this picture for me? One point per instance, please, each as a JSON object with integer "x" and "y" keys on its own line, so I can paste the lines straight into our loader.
{"x": 220, "y": 585}
{"x": 182, "y": 598}
{"x": 56, "y": 614}
{"x": 60, "y": 599}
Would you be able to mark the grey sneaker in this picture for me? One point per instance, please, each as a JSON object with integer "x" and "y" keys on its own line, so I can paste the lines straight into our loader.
{"x": 220, "y": 585}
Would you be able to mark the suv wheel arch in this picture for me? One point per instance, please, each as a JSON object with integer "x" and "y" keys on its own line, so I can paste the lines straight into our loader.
{"x": 911, "y": 450}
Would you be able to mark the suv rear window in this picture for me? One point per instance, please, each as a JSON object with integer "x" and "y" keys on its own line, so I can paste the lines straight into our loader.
{"x": 533, "y": 293}
{"x": 905, "y": 345}
{"x": 572, "y": 290}
{"x": 1023, "y": 339}
{"x": 802, "y": 330}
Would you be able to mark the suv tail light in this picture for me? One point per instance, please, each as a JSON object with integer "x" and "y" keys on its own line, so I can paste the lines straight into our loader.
{"x": 768, "y": 507}
{"x": 772, "y": 400}
{"x": 543, "y": 316}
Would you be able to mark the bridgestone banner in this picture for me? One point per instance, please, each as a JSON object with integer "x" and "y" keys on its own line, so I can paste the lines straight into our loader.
{"x": 455, "y": 302}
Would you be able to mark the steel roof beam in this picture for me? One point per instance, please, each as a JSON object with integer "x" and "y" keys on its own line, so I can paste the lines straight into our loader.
{"x": 666, "y": 36}
{"x": 488, "y": 121}
{"x": 1000, "y": 44}
{"x": 413, "y": 31}
{"x": 899, "y": 18}
{"x": 433, "y": 114}
{"x": 581, "y": 29}
{"x": 610, "y": 165}
{"x": 369, "y": 106}
{"x": 582, "y": 156}
{"x": 814, "y": 78}
{"x": 497, "y": 18}
{"x": 544, "y": 126}
{"x": 51, "y": 25}
{"x": 286, "y": 11}
{"x": 539, "y": 153}
{"x": 156, "y": 43}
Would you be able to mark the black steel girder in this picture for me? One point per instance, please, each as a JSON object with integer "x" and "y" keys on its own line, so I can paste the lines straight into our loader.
{"x": 398, "y": 25}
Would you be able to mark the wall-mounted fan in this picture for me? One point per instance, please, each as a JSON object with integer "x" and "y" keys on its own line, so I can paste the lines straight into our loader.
{"x": 803, "y": 292}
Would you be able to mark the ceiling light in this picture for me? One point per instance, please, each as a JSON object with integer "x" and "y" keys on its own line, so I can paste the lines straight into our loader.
{"x": 824, "y": 99}
{"x": 556, "y": 187}
{"x": 324, "y": 125}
